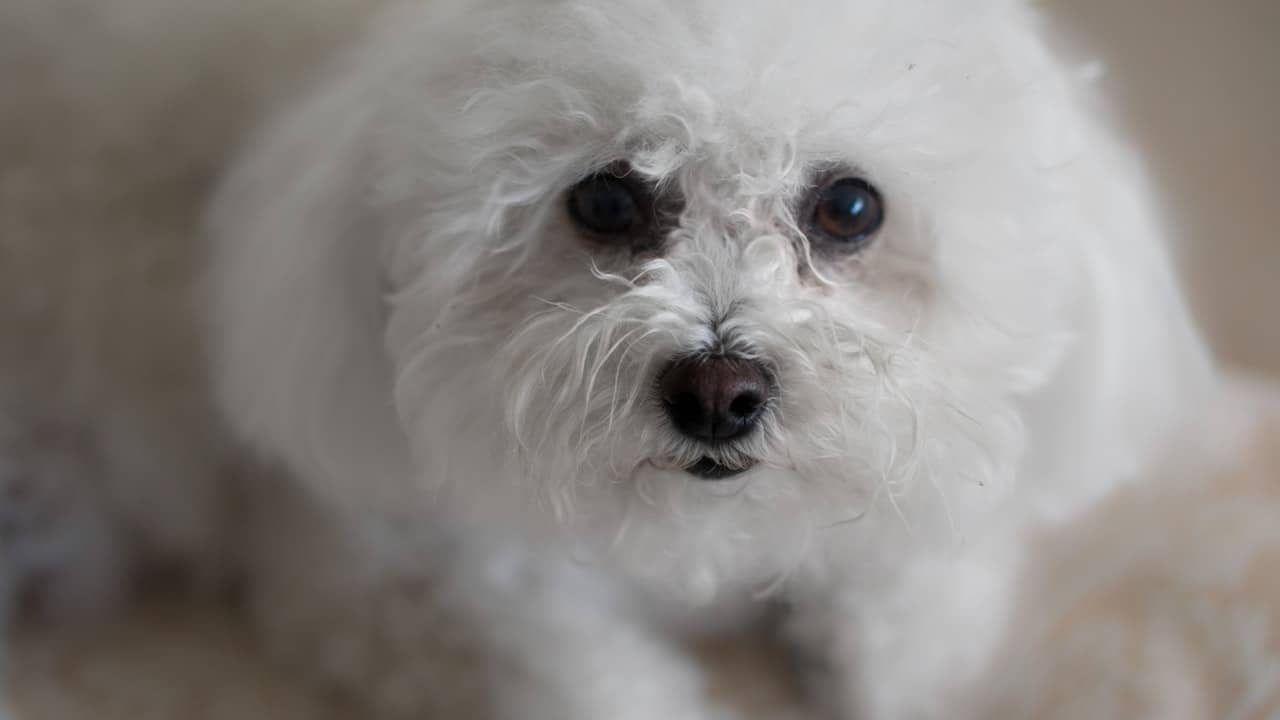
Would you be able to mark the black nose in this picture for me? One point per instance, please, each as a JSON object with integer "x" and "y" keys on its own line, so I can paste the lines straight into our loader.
{"x": 714, "y": 399}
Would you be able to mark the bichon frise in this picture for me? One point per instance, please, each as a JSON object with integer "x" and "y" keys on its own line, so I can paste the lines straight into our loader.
{"x": 567, "y": 328}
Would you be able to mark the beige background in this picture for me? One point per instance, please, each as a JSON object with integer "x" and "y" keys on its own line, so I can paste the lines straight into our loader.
{"x": 1199, "y": 83}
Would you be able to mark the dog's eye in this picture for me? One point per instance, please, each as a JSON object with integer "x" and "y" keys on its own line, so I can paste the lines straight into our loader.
{"x": 605, "y": 204}
{"x": 847, "y": 211}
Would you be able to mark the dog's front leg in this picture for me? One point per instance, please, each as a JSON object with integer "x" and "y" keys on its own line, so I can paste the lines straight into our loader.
{"x": 573, "y": 647}
{"x": 905, "y": 645}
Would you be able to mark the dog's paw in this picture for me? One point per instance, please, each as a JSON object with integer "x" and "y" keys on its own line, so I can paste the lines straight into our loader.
{"x": 60, "y": 553}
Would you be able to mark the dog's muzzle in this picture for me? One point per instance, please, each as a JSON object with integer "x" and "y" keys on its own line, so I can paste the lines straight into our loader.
{"x": 714, "y": 400}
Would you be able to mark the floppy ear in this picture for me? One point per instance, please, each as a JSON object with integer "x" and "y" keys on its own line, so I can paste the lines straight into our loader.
{"x": 1133, "y": 389}
{"x": 297, "y": 304}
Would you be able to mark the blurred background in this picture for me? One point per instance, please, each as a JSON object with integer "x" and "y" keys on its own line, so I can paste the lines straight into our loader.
{"x": 1199, "y": 85}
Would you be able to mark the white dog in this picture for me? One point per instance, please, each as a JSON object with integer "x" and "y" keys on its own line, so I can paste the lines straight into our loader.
{"x": 571, "y": 327}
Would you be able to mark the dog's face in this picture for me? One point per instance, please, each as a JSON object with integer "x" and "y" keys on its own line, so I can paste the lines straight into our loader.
{"x": 798, "y": 263}
{"x": 697, "y": 274}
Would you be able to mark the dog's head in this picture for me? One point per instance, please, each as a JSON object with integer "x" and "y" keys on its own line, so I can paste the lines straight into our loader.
{"x": 701, "y": 270}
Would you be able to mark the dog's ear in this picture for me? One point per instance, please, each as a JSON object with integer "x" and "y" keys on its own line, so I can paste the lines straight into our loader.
{"x": 1133, "y": 391}
{"x": 298, "y": 337}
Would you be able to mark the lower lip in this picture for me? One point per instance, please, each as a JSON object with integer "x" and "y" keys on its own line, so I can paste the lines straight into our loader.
{"x": 708, "y": 469}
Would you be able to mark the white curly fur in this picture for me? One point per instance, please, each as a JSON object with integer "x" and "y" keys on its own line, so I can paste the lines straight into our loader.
{"x": 461, "y": 389}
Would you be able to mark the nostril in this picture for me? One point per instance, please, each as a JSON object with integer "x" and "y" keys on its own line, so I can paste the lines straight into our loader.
{"x": 684, "y": 405}
{"x": 746, "y": 406}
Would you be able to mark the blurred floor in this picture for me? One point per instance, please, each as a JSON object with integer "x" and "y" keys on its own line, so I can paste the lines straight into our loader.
{"x": 165, "y": 659}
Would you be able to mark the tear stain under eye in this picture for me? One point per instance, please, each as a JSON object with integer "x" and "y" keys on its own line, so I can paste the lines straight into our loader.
{"x": 807, "y": 259}
{"x": 662, "y": 208}
{"x": 840, "y": 268}
{"x": 661, "y": 226}
{"x": 664, "y": 219}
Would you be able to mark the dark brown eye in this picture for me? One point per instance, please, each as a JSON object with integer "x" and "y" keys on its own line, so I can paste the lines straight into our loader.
{"x": 848, "y": 212}
{"x": 605, "y": 204}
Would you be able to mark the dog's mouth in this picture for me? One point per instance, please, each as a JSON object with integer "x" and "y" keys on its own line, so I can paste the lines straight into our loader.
{"x": 708, "y": 469}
